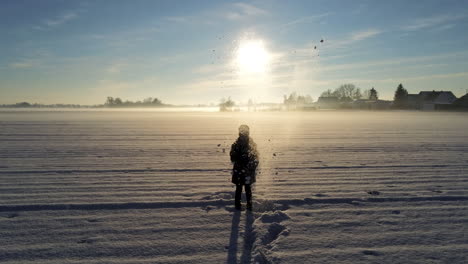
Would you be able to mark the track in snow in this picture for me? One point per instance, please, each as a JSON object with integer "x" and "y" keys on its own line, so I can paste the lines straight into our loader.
{"x": 146, "y": 187}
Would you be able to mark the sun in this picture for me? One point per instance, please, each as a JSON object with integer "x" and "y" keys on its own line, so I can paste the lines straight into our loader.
{"x": 252, "y": 57}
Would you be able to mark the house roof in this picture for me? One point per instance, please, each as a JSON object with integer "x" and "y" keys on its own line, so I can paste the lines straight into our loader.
{"x": 430, "y": 96}
{"x": 329, "y": 99}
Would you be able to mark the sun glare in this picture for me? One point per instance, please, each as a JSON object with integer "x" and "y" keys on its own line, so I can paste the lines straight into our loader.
{"x": 252, "y": 57}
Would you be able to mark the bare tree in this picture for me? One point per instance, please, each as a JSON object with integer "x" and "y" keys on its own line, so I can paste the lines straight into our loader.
{"x": 226, "y": 105}
{"x": 110, "y": 100}
{"x": 345, "y": 91}
{"x": 327, "y": 93}
{"x": 366, "y": 94}
{"x": 357, "y": 94}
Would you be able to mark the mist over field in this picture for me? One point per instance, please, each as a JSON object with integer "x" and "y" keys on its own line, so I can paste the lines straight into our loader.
{"x": 154, "y": 187}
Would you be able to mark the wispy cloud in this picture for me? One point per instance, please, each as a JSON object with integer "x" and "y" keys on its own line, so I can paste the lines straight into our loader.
{"x": 116, "y": 68}
{"x": 350, "y": 39}
{"x": 359, "y": 9}
{"x": 57, "y": 21}
{"x": 22, "y": 64}
{"x": 438, "y": 60}
{"x": 444, "y": 27}
{"x": 125, "y": 38}
{"x": 242, "y": 10}
{"x": 61, "y": 19}
{"x": 250, "y": 9}
{"x": 234, "y": 11}
{"x": 177, "y": 19}
{"x": 431, "y": 22}
{"x": 399, "y": 79}
{"x": 362, "y": 35}
{"x": 306, "y": 19}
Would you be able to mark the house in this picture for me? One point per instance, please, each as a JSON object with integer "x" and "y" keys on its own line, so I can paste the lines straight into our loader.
{"x": 364, "y": 104}
{"x": 382, "y": 105}
{"x": 328, "y": 102}
{"x": 430, "y": 100}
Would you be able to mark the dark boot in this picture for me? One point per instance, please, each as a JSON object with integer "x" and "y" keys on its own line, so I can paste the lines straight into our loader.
{"x": 237, "y": 202}
{"x": 248, "y": 195}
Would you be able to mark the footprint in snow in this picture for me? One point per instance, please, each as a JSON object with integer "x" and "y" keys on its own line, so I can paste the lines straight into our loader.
{"x": 275, "y": 230}
{"x": 209, "y": 208}
{"x": 13, "y": 215}
{"x": 321, "y": 195}
{"x": 371, "y": 253}
{"x": 87, "y": 241}
{"x": 274, "y": 217}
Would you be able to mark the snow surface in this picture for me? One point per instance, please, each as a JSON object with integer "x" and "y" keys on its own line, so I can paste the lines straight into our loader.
{"x": 154, "y": 187}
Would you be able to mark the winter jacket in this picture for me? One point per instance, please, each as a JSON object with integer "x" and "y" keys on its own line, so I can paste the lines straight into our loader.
{"x": 244, "y": 155}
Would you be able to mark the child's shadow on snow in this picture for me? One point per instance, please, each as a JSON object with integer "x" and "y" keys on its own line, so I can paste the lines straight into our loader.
{"x": 248, "y": 238}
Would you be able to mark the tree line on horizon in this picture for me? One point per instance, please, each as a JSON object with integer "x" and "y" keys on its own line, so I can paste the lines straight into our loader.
{"x": 345, "y": 93}
{"x": 37, "y": 105}
{"x": 294, "y": 100}
{"x": 110, "y": 102}
{"x": 147, "y": 102}
{"x": 349, "y": 92}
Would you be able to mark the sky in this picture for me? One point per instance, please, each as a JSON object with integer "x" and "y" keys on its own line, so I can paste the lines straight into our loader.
{"x": 198, "y": 52}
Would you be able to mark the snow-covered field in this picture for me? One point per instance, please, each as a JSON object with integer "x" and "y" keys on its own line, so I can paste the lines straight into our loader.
{"x": 154, "y": 187}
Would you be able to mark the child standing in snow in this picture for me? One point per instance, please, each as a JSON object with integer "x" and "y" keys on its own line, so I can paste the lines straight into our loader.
{"x": 244, "y": 155}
